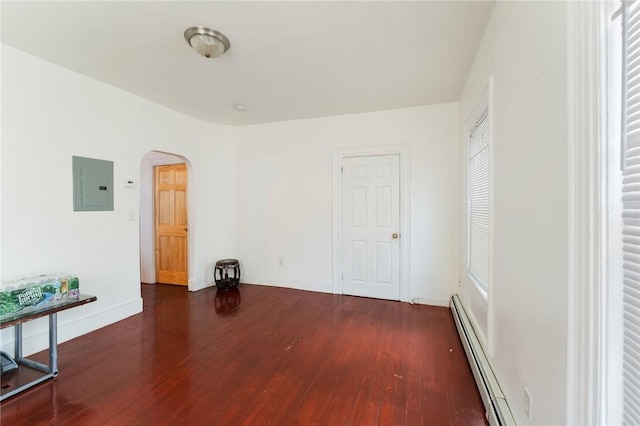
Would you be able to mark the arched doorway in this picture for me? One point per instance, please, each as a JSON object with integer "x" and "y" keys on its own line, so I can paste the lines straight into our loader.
{"x": 147, "y": 229}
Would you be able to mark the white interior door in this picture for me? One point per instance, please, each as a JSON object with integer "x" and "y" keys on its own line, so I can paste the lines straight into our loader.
{"x": 371, "y": 226}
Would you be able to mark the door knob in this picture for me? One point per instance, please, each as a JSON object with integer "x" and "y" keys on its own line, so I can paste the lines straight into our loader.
{"x": 395, "y": 236}
{"x": 186, "y": 229}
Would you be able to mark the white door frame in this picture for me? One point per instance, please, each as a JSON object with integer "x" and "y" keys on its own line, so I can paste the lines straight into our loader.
{"x": 403, "y": 151}
{"x": 147, "y": 210}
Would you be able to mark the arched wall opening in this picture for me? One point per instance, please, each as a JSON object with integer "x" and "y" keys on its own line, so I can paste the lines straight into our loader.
{"x": 147, "y": 229}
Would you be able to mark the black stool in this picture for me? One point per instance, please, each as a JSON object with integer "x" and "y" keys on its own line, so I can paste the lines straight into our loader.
{"x": 221, "y": 273}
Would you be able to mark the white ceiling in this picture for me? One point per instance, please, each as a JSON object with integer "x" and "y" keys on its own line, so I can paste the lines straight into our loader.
{"x": 288, "y": 60}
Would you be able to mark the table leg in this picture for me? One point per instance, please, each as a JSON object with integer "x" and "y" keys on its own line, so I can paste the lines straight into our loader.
{"x": 50, "y": 370}
{"x": 53, "y": 344}
{"x": 18, "y": 342}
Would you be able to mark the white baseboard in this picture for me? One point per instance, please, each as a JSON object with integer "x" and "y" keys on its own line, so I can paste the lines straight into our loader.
{"x": 328, "y": 288}
{"x": 35, "y": 334}
{"x": 495, "y": 403}
{"x": 428, "y": 301}
{"x": 199, "y": 285}
{"x": 298, "y": 285}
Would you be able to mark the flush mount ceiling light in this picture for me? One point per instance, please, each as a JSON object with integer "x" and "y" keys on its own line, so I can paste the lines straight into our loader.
{"x": 207, "y": 42}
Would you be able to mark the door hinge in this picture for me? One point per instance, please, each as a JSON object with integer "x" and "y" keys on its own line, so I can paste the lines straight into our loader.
{"x": 341, "y": 169}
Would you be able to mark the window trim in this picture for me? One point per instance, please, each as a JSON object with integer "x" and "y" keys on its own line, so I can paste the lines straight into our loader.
{"x": 483, "y": 107}
{"x": 588, "y": 374}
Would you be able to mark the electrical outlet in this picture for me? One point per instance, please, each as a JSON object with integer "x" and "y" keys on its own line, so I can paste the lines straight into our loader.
{"x": 527, "y": 403}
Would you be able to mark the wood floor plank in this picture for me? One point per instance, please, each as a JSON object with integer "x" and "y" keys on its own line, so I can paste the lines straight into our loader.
{"x": 259, "y": 356}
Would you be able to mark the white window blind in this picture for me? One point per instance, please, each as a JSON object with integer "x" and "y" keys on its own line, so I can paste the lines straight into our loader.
{"x": 478, "y": 205}
{"x": 630, "y": 164}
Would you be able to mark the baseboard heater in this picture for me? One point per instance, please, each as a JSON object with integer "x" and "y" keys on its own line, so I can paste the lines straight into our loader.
{"x": 498, "y": 412}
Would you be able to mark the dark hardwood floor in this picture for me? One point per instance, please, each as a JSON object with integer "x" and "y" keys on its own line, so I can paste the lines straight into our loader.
{"x": 259, "y": 356}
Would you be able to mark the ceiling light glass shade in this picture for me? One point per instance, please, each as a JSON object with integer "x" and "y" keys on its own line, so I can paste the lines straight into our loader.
{"x": 207, "y": 42}
{"x": 207, "y": 46}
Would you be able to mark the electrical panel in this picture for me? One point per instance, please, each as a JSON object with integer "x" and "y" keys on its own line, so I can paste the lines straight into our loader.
{"x": 92, "y": 184}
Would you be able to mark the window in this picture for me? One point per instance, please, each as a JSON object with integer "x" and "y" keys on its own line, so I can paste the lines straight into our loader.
{"x": 625, "y": 203}
{"x": 478, "y": 202}
{"x": 630, "y": 165}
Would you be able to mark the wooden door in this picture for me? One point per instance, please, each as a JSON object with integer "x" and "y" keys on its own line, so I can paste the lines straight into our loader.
{"x": 371, "y": 226}
{"x": 171, "y": 224}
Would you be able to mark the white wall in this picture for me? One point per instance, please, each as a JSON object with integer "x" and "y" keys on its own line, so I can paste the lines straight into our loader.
{"x": 51, "y": 114}
{"x": 524, "y": 49}
{"x": 284, "y": 196}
